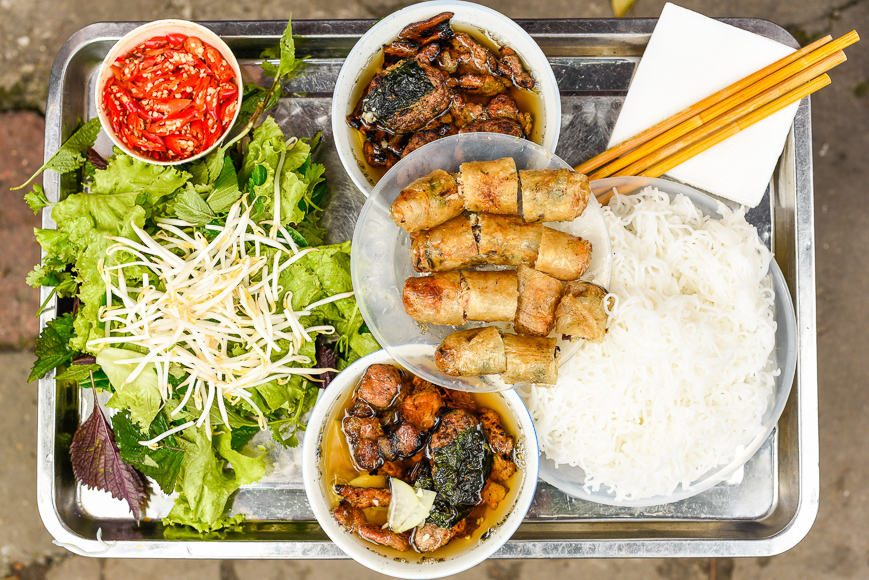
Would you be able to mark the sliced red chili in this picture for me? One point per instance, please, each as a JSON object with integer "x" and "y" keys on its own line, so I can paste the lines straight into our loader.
{"x": 168, "y": 107}
{"x": 228, "y": 91}
{"x": 180, "y": 145}
{"x": 156, "y": 42}
{"x": 176, "y": 39}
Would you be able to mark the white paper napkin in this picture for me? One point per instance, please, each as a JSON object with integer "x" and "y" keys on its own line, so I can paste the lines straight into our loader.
{"x": 690, "y": 57}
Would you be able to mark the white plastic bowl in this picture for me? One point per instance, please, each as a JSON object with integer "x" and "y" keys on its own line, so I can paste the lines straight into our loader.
{"x": 367, "y": 553}
{"x": 380, "y": 262}
{"x": 493, "y": 24}
{"x": 139, "y": 35}
{"x": 570, "y": 479}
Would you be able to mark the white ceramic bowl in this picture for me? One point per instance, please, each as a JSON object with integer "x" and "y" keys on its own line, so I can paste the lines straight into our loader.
{"x": 139, "y": 35}
{"x": 468, "y": 16}
{"x": 571, "y": 480}
{"x": 366, "y": 553}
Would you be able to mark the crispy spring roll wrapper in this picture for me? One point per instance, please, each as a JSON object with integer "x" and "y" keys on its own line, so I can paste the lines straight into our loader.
{"x": 581, "y": 312}
{"x": 427, "y": 202}
{"x": 539, "y": 295}
{"x": 469, "y": 353}
{"x": 508, "y": 240}
{"x": 490, "y": 296}
{"x": 451, "y": 298}
{"x": 558, "y": 195}
{"x": 435, "y": 299}
{"x": 449, "y": 246}
{"x": 562, "y": 255}
{"x": 530, "y": 359}
{"x": 491, "y": 186}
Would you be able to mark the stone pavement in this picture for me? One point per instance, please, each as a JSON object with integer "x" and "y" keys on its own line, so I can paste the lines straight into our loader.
{"x": 838, "y": 545}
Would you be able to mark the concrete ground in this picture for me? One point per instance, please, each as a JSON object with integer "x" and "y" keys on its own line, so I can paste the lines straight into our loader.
{"x": 838, "y": 545}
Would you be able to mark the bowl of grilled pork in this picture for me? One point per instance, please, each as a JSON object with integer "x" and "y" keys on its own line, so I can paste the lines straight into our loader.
{"x": 414, "y": 480}
{"x": 437, "y": 69}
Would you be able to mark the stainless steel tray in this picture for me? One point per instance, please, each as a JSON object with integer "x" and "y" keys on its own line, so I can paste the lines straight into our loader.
{"x": 766, "y": 509}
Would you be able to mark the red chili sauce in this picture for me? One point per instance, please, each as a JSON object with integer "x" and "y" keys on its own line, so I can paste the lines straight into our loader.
{"x": 171, "y": 97}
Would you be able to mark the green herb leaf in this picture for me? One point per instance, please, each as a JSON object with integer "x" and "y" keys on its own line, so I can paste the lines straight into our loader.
{"x": 190, "y": 207}
{"x": 36, "y": 199}
{"x": 163, "y": 463}
{"x": 52, "y": 346}
{"x": 240, "y": 436}
{"x": 226, "y": 191}
{"x": 71, "y": 154}
{"x": 77, "y": 372}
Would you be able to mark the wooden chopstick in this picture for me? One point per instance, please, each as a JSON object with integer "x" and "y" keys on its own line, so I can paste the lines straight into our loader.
{"x": 654, "y": 156}
{"x": 736, "y": 126}
{"x": 794, "y": 69}
{"x": 807, "y": 54}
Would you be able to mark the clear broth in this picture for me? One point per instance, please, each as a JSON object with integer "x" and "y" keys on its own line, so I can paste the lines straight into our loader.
{"x": 336, "y": 466}
{"x": 528, "y": 101}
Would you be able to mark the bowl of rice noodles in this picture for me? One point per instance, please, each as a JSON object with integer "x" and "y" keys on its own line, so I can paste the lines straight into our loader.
{"x": 697, "y": 364}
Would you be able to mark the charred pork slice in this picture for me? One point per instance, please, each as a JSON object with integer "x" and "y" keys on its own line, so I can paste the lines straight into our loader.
{"x": 503, "y": 107}
{"x": 421, "y": 407}
{"x": 482, "y": 84}
{"x": 364, "y": 497}
{"x": 362, "y": 435}
{"x": 494, "y": 494}
{"x": 505, "y": 126}
{"x": 406, "y": 440}
{"x": 384, "y": 537}
{"x": 405, "y": 97}
{"x": 399, "y": 50}
{"x": 511, "y": 67}
{"x": 380, "y": 386}
{"x": 349, "y": 517}
{"x": 435, "y": 28}
{"x": 498, "y": 439}
{"x": 427, "y": 136}
{"x": 502, "y": 469}
{"x": 428, "y": 537}
{"x": 473, "y": 57}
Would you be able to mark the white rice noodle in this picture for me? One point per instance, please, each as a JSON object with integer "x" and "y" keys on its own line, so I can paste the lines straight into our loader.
{"x": 685, "y": 375}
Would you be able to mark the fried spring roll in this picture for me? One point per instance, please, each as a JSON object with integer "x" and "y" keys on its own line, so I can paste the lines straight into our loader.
{"x": 562, "y": 255}
{"x": 553, "y": 195}
{"x": 449, "y": 246}
{"x": 427, "y": 202}
{"x": 507, "y": 240}
{"x": 539, "y": 295}
{"x": 468, "y": 353}
{"x": 435, "y": 299}
{"x": 581, "y": 312}
{"x": 491, "y": 186}
{"x": 530, "y": 359}
{"x": 490, "y": 296}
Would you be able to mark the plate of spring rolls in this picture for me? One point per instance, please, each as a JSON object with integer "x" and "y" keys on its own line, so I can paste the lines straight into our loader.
{"x": 481, "y": 262}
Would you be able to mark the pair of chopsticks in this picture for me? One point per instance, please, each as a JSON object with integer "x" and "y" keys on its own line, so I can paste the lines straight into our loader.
{"x": 723, "y": 114}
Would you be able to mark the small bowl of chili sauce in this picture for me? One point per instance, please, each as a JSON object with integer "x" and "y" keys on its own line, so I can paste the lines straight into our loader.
{"x": 169, "y": 92}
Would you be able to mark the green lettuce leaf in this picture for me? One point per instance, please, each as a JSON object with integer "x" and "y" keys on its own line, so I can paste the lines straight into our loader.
{"x": 125, "y": 174}
{"x": 204, "y": 485}
{"x": 141, "y": 396}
